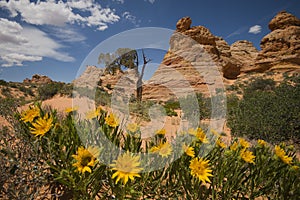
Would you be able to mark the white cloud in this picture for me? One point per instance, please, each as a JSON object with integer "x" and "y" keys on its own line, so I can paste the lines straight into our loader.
{"x": 120, "y": 1}
{"x": 128, "y": 16}
{"x": 255, "y": 29}
{"x": 59, "y": 13}
{"x": 27, "y": 44}
{"x": 150, "y": 1}
{"x": 80, "y": 4}
{"x": 238, "y": 31}
{"x": 17, "y": 59}
{"x": 10, "y": 32}
{"x": 66, "y": 34}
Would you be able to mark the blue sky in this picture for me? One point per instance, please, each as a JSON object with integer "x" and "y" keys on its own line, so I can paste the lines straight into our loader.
{"x": 56, "y": 38}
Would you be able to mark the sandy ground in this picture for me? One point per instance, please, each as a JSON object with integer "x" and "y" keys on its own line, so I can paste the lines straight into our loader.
{"x": 3, "y": 122}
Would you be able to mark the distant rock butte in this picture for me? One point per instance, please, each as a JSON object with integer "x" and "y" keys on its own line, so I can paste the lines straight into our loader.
{"x": 38, "y": 79}
{"x": 280, "y": 49}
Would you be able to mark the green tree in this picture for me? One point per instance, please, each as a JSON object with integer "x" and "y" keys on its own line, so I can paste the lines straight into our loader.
{"x": 125, "y": 58}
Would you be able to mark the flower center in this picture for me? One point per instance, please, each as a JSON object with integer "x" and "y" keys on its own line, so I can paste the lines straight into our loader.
{"x": 85, "y": 160}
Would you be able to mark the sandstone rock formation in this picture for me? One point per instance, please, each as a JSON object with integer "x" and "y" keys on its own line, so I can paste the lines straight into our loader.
{"x": 89, "y": 78}
{"x": 192, "y": 64}
{"x": 198, "y": 33}
{"x": 231, "y": 67}
{"x": 223, "y": 47}
{"x": 184, "y": 24}
{"x": 283, "y": 20}
{"x": 244, "y": 53}
{"x": 38, "y": 79}
{"x": 280, "y": 49}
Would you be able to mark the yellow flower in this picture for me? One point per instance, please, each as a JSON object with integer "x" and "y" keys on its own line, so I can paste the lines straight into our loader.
{"x": 189, "y": 150}
{"x": 200, "y": 169}
{"x": 199, "y": 133}
{"x": 280, "y": 153}
{"x": 163, "y": 149}
{"x": 42, "y": 125}
{"x": 234, "y": 146}
{"x": 111, "y": 120}
{"x": 215, "y": 132}
{"x": 244, "y": 143}
{"x": 295, "y": 167}
{"x": 126, "y": 166}
{"x": 262, "y": 142}
{"x": 220, "y": 144}
{"x": 86, "y": 158}
{"x": 247, "y": 156}
{"x": 71, "y": 109}
{"x": 132, "y": 127}
{"x": 93, "y": 113}
{"x": 30, "y": 114}
{"x": 161, "y": 132}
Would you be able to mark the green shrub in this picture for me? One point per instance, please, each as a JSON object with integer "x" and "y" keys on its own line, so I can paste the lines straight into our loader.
{"x": 3, "y": 82}
{"x": 67, "y": 90}
{"x": 6, "y": 92}
{"x": 102, "y": 97}
{"x": 170, "y": 107}
{"x": 260, "y": 84}
{"x": 190, "y": 107}
{"x": 49, "y": 90}
{"x": 26, "y": 90}
{"x": 273, "y": 115}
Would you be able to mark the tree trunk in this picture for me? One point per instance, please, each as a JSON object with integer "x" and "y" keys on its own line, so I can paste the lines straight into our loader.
{"x": 139, "y": 83}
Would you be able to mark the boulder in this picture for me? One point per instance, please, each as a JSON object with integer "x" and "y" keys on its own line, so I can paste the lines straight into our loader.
{"x": 183, "y": 24}
{"x": 283, "y": 20}
{"x": 38, "y": 79}
{"x": 89, "y": 78}
{"x": 281, "y": 47}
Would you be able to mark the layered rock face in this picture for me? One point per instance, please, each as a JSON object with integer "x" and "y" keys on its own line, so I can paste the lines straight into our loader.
{"x": 38, "y": 79}
{"x": 244, "y": 53}
{"x": 191, "y": 64}
{"x": 196, "y": 62}
{"x": 280, "y": 49}
{"x": 89, "y": 78}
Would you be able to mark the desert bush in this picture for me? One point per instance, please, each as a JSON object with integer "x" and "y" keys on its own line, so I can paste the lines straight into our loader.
{"x": 202, "y": 104}
{"x": 261, "y": 84}
{"x": 84, "y": 92}
{"x": 26, "y": 90}
{"x": 66, "y": 90}
{"x": 3, "y": 82}
{"x": 170, "y": 107}
{"x": 141, "y": 109}
{"x": 5, "y": 91}
{"x": 233, "y": 88}
{"x": 49, "y": 90}
{"x": 272, "y": 115}
{"x": 102, "y": 97}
